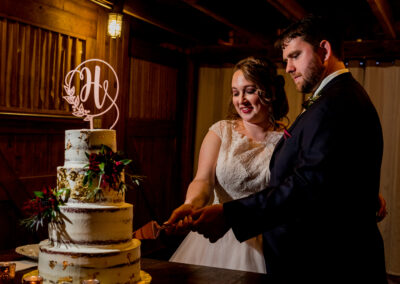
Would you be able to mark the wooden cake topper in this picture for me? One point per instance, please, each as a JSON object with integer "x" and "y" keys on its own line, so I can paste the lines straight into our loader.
{"x": 103, "y": 100}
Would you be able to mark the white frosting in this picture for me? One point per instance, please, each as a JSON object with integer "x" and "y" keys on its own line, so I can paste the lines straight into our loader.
{"x": 94, "y": 237}
{"x": 76, "y": 264}
{"x": 78, "y": 142}
{"x": 89, "y": 225}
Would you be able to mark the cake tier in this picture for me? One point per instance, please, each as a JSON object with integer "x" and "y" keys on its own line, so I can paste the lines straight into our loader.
{"x": 93, "y": 225}
{"x": 74, "y": 264}
{"x": 81, "y": 141}
{"x": 72, "y": 178}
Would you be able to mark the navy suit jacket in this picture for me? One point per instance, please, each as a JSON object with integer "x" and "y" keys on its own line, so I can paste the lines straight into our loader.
{"x": 318, "y": 214}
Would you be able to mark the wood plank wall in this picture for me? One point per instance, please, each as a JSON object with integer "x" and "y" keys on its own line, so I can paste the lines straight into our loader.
{"x": 33, "y": 65}
{"x": 159, "y": 135}
{"x": 40, "y": 40}
{"x": 152, "y": 134}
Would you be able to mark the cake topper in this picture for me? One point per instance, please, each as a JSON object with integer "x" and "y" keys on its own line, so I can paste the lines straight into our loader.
{"x": 103, "y": 100}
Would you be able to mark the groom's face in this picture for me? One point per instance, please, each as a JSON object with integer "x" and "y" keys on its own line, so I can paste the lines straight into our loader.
{"x": 303, "y": 64}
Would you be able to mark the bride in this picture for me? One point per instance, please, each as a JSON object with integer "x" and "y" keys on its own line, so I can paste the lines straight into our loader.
{"x": 234, "y": 163}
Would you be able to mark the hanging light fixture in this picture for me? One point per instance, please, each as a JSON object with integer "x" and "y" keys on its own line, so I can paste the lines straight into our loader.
{"x": 114, "y": 25}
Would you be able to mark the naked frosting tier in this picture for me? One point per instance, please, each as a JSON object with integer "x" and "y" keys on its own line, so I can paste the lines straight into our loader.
{"x": 78, "y": 142}
{"x": 93, "y": 225}
{"x": 74, "y": 264}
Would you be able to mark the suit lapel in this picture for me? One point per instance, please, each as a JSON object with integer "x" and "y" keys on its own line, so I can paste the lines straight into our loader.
{"x": 282, "y": 140}
{"x": 279, "y": 145}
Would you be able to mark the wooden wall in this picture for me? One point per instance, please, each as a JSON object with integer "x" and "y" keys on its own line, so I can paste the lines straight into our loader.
{"x": 40, "y": 41}
{"x": 160, "y": 131}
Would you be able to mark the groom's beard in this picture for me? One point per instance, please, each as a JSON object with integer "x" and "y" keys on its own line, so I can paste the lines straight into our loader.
{"x": 312, "y": 76}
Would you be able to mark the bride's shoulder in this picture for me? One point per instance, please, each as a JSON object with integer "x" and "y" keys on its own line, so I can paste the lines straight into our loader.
{"x": 224, "y": 125}
{"x": 274, "y": 136}
{"x": 224, "y": 128}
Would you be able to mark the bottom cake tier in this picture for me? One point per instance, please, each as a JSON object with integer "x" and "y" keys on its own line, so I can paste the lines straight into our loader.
{"x": 75, "y": 264}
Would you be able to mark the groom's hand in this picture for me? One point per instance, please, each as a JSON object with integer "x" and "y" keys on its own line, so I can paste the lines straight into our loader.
{"x": 180, "y": 221}
{"x": 210, "y": 222}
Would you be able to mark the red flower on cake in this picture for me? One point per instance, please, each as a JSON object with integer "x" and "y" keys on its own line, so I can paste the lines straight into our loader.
{"x": 107, "y": 167}
{"x": 93, "y": 163}
{"x": 44, "y": 207}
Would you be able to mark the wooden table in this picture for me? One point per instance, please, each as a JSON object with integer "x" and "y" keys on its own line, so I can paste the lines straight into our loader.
{"x": 170, "y": 272}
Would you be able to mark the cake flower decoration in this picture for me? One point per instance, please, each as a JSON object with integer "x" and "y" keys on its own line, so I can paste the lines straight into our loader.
{"x": 107, "y": 167}
{"x": 44, "y": 208}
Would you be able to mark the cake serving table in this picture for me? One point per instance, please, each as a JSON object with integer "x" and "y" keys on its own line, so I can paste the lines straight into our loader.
{"x": 162, "y": 272}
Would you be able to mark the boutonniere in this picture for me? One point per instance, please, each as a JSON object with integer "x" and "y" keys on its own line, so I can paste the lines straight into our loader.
{"x": 310, "y": 101}
{"x": 286, "y": 134}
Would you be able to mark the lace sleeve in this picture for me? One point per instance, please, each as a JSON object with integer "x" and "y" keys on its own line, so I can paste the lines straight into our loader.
{"x": 218, "y": 128}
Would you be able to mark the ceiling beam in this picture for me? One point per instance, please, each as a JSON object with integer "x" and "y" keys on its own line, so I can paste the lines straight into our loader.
{"x": 141, "y": 11}
{"x": 386, "y": 50}
{"x": 103, "y": 3}
{"x": 372, "y": 49}
{"x": 252, "y": 36}
{"x": 220, "y": 54}
{"x": 289, "y": 8}
{"x": 382, "y": 12}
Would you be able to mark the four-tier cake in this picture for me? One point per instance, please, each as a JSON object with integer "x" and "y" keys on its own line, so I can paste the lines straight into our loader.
{"x": 93, "y": 237}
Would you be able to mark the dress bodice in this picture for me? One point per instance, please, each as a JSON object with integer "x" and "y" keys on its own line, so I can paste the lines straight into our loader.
{"x": 243, "y": 164}
{"x": 242, "y": 169}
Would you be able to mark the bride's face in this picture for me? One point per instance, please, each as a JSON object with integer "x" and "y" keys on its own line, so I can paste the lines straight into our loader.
{"x": 246, "y": 100}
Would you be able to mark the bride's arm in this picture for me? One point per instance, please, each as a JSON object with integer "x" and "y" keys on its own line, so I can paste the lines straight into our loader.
{"x": 201, "y": 188}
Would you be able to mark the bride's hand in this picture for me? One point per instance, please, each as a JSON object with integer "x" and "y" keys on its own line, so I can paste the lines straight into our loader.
{"x": 180, "y": 220}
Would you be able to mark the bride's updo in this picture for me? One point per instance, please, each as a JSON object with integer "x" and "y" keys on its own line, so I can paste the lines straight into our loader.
{"x": 263, "y": 74}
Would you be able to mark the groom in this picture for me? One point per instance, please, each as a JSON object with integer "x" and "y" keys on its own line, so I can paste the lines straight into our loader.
{"x": 317, "y": 215}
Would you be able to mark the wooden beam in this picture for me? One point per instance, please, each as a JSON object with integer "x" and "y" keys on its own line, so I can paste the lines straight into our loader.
{"x": 152, "y": 52}
{"x": 372, "y": 49}
{"x": 142, "y": 12}
{"x": 252, "y": 36}
{"x": 45, "y": 16}
{"x": 220, "y": 54}
{"x": 289, "y": 8}
{"x": 382, "y": 12}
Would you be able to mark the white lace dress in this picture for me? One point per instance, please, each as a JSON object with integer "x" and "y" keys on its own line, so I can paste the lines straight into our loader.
{"x": 242, "y": 169}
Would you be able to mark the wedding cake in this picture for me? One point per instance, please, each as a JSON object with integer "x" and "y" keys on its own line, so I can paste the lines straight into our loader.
{"x": 93, "y": 238}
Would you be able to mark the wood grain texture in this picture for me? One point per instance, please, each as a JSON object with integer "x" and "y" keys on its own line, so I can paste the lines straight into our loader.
{"x": 33, "y": 67}
{"x": 35, "y": 56}
{"x": 152, "y": 137}
{"x": 78, "y": 22}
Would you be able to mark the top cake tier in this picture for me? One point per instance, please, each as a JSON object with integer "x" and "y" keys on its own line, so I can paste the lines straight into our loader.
{"x": 78, "y": 142}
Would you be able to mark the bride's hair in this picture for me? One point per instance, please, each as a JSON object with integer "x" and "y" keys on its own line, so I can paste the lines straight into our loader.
{"x": 263, "y": 74}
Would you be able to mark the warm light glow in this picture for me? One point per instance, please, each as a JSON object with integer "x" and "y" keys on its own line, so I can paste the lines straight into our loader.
{"x": 114, "y": 25}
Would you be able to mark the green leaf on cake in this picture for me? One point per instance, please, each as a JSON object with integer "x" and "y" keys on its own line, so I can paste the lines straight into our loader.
{"x": 94, "y": 194}
{"x": 44, "y": 207}
{"x": 126, "y": 161}
{"x": 86, "y": 178}
{"x": 108, "y": 167}
{"x": 38, "y": 194}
